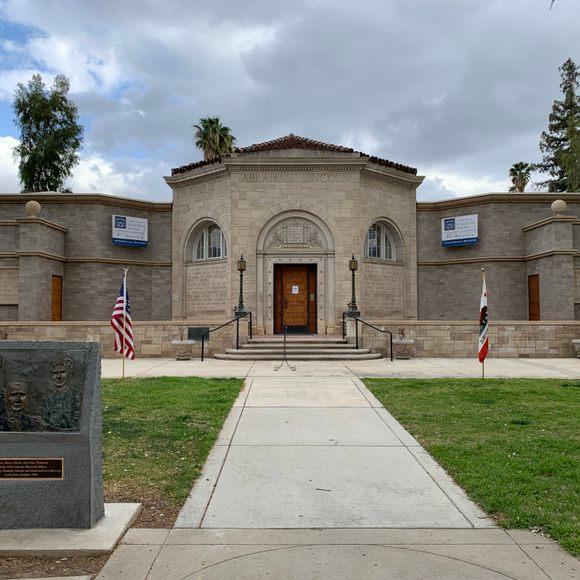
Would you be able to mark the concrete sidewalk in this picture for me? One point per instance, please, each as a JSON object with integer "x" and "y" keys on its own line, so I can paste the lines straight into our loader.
{"x": 321, "y": 452}
{"x": 415, "y": 368}
{"x": 476, "y": 554}
{"x": 312, "y": 478}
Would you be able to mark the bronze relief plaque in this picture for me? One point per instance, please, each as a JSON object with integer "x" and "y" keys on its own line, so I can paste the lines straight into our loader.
{"x": 44, "y": 394}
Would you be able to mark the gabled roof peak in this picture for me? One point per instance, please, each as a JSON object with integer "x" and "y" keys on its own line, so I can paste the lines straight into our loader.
{"x": 292, "y": 141}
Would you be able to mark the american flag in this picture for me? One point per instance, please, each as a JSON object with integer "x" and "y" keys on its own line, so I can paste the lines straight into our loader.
{"x": 122, "y": 323}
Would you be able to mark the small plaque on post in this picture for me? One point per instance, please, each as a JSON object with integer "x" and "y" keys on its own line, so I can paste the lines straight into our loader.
{"x": 37, "y": 468}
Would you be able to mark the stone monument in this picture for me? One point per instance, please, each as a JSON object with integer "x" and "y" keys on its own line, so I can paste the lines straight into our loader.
{"x": 51, "y": 473}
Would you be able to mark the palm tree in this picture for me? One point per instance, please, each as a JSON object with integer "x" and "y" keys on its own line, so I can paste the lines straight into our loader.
{"x": 520, "y": 175}
{"x": 213, "y": 138}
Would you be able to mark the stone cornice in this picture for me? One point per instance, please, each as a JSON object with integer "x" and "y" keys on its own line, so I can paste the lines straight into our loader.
{"x": 237, "y": 164}
{"x": 129, "y": 262}
{"x": 549, "y": 253}
{"x": 196, "y": 174}
{"x": 496, "y": 198}
{"x": 478, "y": 260}
{"x": 551, "y": 220}
{"x": 295, "y": 164}
{"x": 379, "y": 172}
{"x": 84, "y": 260}
{"x": 94, "y": 198}
{"x": 42, "y": 221}
{"x": 46, "y": 255}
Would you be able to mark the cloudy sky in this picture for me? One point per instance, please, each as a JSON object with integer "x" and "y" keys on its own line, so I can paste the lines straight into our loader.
{"x": 460, "y": 89}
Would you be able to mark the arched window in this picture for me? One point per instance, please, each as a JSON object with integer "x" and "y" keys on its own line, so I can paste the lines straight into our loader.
{"x": 209, "y": 243}
{"x": 379, "y": 243}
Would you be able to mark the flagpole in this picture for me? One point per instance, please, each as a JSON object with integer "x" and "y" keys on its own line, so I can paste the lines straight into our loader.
{"x": 483, "y": 362}
{"x": 124, "y": 316}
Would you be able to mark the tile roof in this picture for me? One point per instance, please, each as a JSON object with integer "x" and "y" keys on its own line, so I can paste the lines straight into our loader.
{"x": 295, "y": 142}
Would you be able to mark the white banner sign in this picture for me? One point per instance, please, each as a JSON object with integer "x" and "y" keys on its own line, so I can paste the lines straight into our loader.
{"x": 459, "y": 230}
{"x": 129, "y": 231}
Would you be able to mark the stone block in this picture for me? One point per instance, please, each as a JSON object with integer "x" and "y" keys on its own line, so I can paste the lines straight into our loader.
{"x": 151, "y": 350}
{"x": 50, "y": 435}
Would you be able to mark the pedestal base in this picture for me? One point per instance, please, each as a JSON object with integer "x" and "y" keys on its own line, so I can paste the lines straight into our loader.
{"x": 101, "y": 539}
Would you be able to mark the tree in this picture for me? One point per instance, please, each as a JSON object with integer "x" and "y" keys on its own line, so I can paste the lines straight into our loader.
{"x": 520, "y": 175}
{"x": 213, "y": 138}
{"x": 572, "y": 158}
{"x": 559, "y": 144}
{"x": 50, "y": 135}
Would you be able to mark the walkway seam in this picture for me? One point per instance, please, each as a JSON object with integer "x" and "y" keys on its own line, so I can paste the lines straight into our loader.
{"x": 412, "y": 454}
{"x": 226, "y": 455}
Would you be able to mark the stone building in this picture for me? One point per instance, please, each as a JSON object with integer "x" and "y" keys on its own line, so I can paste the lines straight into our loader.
{"x": 297, "y": 210}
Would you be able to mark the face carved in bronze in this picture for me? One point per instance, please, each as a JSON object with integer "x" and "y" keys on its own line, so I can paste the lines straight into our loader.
{"x": 16, "y": 396}
{"x": 62, "y": 371}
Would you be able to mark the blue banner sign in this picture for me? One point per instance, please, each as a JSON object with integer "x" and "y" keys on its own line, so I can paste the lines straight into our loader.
{"x": 129, "y": 231}
{"x": 459, "y": 230}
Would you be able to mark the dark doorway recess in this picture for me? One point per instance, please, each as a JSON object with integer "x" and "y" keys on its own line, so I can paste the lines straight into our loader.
{"x": 534, "y": 297}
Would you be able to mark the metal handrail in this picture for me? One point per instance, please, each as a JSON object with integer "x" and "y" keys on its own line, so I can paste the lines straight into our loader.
{"x": 237, "y": 321}
{"x": 356, "y": 321}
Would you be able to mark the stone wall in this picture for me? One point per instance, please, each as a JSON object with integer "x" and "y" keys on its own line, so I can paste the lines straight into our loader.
{"x": 206, "y": 291}
{"x": 90, "y": 290}
{"x": 195, "y": 204}
{"x": 459, "y": 339}
{"x": 8, "y": 311}
{"x": 9, "y": 286}
{"x": 72, "y": 238}
{"x": 383, "y": 290}
{"x": 518, "y": 236}
{"x": 433, "y": 338}
{"x": 452, "y": 291}
{"x": 152, "y": 339}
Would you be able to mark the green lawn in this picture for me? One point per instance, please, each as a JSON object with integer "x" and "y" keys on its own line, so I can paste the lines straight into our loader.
{"x": 158, "y": 433}
{"x": 513, "y": 445}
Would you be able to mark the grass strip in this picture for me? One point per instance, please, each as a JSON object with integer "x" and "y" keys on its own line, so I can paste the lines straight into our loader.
{"x": 512, "y": 444}
{"x": 158, "y": 432}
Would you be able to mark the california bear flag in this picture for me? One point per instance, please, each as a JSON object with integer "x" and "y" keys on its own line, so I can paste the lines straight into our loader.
{"x": 483, "y": 334}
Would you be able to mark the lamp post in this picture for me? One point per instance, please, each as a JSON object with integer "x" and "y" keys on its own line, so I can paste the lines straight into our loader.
{"x": 352, "y": 307}
{"x": 240, "y": 309}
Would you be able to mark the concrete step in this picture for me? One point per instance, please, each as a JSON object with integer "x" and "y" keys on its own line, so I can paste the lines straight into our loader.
{"x": 298, "y": 351}
{"x": 241, "y": 355}
{"x": 299, "y": 345}
{"x": 298, "y": 338}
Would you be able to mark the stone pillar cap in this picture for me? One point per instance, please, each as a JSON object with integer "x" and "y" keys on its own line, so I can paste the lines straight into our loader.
{"x": 559, "y": 207}
{"x": 32, "y": 209}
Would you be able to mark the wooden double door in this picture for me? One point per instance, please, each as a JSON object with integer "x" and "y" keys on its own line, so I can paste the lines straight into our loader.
{"x": 295, "y": 298}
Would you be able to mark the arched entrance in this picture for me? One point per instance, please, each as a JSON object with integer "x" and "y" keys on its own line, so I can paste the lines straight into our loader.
{"x": 295, "y": 274}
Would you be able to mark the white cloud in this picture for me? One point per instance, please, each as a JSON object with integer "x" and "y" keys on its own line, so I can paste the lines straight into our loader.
{"x": 10, "y": 78}
{"x": 95, "y": 174}
{"x": 441, "y": 184}
{"x": 9, "y": 182}
{"x": 433, "y": 93}
{"x": 90, "y": 68}
{"x": 362, "y": 140}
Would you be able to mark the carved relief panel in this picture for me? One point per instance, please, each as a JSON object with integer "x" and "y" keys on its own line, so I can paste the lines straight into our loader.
{"x": 296, "y": 233}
